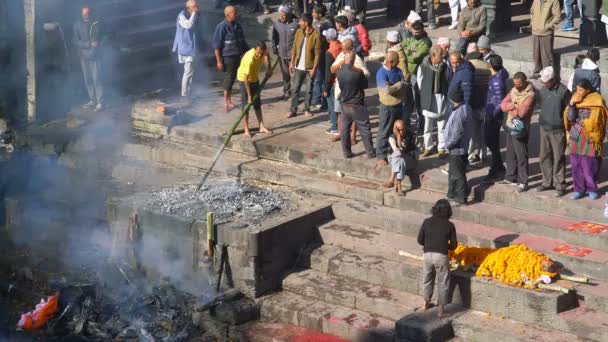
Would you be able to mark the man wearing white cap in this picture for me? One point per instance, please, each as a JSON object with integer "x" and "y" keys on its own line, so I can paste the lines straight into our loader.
{"x": 444, "y": 44}
{"x": 283, "y": 33}
{"x": 392, "y": 42}
{"x": 553, "y": 97}
{"x": 405, "y": 29}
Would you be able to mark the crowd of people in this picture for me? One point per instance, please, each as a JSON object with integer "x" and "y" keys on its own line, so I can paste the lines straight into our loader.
{"x": 455, "y": 98}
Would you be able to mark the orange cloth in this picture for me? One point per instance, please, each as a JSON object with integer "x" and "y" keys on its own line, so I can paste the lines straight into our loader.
{"x": 44, "y": 311}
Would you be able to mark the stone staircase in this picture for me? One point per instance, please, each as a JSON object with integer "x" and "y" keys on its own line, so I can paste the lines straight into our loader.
{"x": 358, "y": 284}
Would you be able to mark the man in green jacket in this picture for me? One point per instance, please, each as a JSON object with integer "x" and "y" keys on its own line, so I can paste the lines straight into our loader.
{"x": 416, "y": 46}
{"x": 304, "y": 63}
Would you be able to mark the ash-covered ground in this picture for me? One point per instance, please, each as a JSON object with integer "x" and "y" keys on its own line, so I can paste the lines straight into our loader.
{"x": 228, "y": 200}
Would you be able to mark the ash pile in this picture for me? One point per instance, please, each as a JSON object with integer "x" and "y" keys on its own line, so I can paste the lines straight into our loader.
{"x": 227, "y": 200}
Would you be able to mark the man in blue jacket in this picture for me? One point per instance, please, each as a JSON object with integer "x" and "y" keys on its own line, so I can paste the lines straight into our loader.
{"x": 497, "y": 90}
{"x": 184, "y": 44}
{"x": 458, "y": 133}
{"x": 461, "y": 77}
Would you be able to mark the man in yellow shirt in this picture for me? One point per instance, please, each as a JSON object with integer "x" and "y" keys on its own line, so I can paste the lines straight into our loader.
{"x": 248, "y": 76}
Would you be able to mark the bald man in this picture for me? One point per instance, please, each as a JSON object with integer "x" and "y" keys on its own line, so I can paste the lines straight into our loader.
{"x": 229, "y": 44}
{"x": 391, "y": 90}
{"x": 184, "y": 44}
{"x": 88, "y": 38}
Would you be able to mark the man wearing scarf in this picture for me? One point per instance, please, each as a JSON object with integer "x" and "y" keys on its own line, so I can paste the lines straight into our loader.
{"x": 519, "y": 103}
{"x": 433, "y": 80}
{"x": 585, "y": 120}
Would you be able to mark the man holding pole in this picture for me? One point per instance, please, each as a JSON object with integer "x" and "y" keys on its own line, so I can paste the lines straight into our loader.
{"x": 248, "y": 77}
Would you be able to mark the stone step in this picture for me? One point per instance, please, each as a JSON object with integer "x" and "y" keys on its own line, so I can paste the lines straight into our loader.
{"x": 310, "y": 313}
{"x": 468, "y": 291}
{"x": 148, "y": 33}
{"x": 278, "y": 332}
{"x": 547, "y": 309}
{"x": 388, "y": 243}
{"x": 145, "y": 15}
{"x": 517, "y": 220}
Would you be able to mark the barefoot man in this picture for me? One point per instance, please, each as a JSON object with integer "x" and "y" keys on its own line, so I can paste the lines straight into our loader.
{"x": 248, "y": 76}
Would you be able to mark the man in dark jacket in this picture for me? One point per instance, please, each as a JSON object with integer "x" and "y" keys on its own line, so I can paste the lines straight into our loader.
{"x": 481, "y": 76}
{"x": 458, "y": 133}
{"x": 497, "y": 90}
{"x": 352, "y": 98}
{"x": 229, "y": 45}
{"x": 437, "y": 236}
{"x": 88, "y": 39}
{"x": 283, "y": 33}
{"x": 553, "y": 98}
{"x": 462, "y": 76}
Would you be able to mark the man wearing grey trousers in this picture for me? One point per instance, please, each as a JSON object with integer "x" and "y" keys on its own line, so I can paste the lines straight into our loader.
{"x": 87, "y": 38}
{"x": 185, "y": 45}
{"x": 437, "y": 236}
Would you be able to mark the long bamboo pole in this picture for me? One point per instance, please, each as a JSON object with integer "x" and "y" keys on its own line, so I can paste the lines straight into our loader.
{"x": 235, "y": 125}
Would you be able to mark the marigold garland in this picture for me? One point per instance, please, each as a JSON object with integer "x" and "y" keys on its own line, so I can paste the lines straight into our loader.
{"x": 515, "y": 265}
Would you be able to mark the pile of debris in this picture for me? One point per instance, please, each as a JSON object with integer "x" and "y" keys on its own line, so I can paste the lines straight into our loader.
{"x": 227, "y": 200}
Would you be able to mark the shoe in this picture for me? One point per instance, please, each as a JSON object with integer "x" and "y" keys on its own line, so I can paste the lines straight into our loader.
{"x": 428, "y": 153}
{"x": 315, "y": 107}
{"x": 593, "y": 195}
{"x": 331, "y": 131}
{"x": 286, "y": 95}
{"x": 266, "y": 9}
{"x": 474, "y": 160}
{"x": 543, "y": 188}
{"x": 507, "y": 182}
{"x": 456, "y": 203}
{"x": 442, "y": 154}
{"x": 453, "y": 26}
{"x": 334, "y": 138}
{"x": 432, "y": 26}
{"x": 568, "y": 27}
{"x": 445, "y": 171}
{"x": 99, "y": 107}
{"x": 308, "y": 114}
{"x": 560, "y": 193}
{"x": 522, "y": 188}
{"x": 577, "y": 195}
{"x": 89, "y": 105}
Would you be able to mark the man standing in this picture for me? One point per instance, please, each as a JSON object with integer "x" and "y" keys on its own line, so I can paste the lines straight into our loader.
{"x": 304, "y": 62}
{"x": 458, "y": 132}
{"x": 437, "y": 236}
{"x": 430, "y": 12}
{"x": 347, "y": 32}
{"x": 444, "y": 44}
{"x": 229, "y": 45}
{"x": 497, "y": 90}
{"x": 433, "y": 79}
{"x": 392, "y": 43}
{"x": 248, "y": 76}
{"x": 352, "y": 98}
{"x": 333, "y": 50}
{"x": 519, "y": 105}
{"x": 391, "y": 90}
{"x": 545, "y": 18}
{"x": 320, "y": 23}
{"x": 569, "y": 13}
{"x": 88, "y": 39}
{"x": 485, "y": 48}
{"x": 462, "y": 75}
{"x": 553, "y": 98}
{"x": 481, "y": 76}
{"x": 184, "y": 45}
{"x": 283, "y": 33}
{"x": 416, "y": 46}
{"x": 472, "y": 24}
